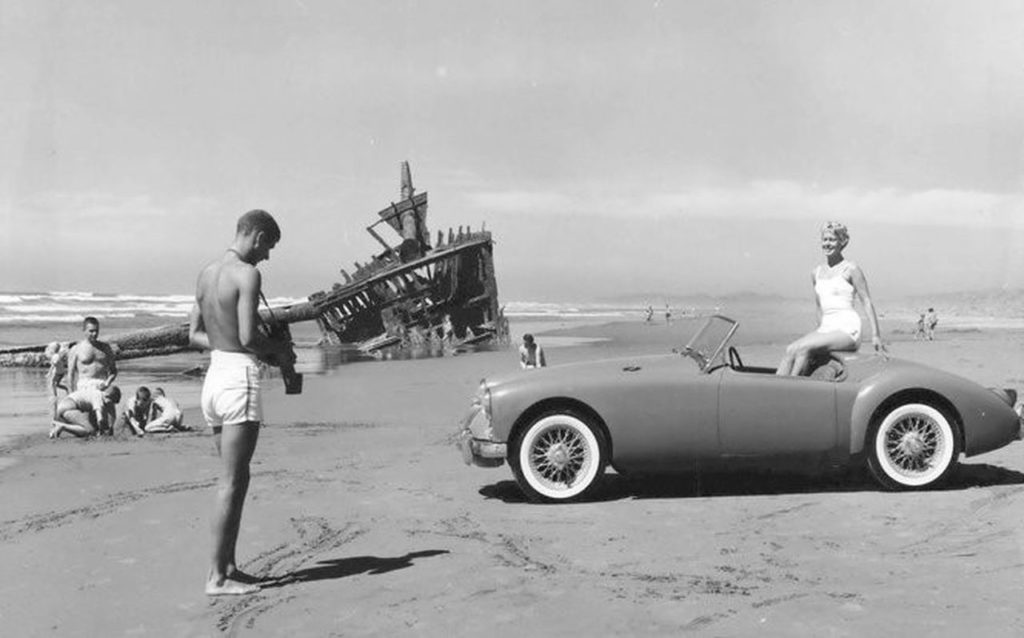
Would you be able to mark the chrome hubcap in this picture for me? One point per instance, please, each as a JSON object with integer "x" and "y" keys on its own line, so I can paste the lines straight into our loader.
{"x": 559, "y": 455}
{"x": 913, "y": 442}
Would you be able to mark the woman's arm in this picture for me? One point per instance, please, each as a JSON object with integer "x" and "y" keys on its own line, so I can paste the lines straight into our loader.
{"x": 860, "y": 286}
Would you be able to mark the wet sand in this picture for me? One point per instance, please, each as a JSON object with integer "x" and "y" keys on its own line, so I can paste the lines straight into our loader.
{"x": 365, "y": 522}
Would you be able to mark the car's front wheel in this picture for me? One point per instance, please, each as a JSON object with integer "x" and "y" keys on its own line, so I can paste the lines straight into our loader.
{"x": 913, "y": 445}
{"x": 560, "y": 456}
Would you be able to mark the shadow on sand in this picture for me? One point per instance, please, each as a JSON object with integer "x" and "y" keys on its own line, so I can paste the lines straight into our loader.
{"x": 342, "y": 567}
{"x": 765, "y": 483}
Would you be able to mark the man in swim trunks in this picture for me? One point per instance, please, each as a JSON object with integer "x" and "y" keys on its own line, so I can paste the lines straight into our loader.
{"x": 86, "y": 412}
{"x": 91, "y": 362}
{"x": 225, "y": 319}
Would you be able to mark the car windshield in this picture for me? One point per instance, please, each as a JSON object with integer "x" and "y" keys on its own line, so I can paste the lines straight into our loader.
{"x": 709, "y": 343}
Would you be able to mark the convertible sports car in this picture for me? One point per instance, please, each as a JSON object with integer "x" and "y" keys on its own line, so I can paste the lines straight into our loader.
{"x": 559, "y": 427}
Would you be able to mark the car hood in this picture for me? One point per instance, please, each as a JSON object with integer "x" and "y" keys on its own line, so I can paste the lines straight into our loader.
{"x": 601, "y": 369}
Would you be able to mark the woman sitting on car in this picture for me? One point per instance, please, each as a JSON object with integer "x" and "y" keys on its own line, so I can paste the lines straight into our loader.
{"x": 836, "y": 282}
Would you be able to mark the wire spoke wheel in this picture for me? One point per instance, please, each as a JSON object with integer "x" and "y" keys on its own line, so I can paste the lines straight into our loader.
{"x": 914, "y": 445}
{"x": 560, "y": 457}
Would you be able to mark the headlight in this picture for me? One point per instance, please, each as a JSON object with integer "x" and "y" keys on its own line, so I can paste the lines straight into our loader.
{"x": 483, "y": 398}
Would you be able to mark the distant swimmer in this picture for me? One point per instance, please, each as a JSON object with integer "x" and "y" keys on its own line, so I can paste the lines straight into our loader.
{"x": 650, "y": 314}
{"x": 836, "y": 283}
{"x": 225, "y": 319}
{"x": 91, "y": 362}
{"x": 86, "y": 412}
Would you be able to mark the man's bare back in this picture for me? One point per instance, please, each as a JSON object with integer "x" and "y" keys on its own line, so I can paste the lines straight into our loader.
{"x": 227, "y": 293}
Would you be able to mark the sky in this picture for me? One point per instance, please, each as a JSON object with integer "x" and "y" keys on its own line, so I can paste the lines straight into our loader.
{"x": 610, "y": 147}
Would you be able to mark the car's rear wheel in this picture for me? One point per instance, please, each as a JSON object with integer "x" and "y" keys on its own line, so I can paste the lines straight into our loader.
{"x": 560, "y": 456}
{"x": 912, "y": 446}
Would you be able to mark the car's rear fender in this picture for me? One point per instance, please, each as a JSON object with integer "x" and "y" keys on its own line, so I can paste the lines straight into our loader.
{"x": 874, "y": 401}
{"x": 551, "y": 404}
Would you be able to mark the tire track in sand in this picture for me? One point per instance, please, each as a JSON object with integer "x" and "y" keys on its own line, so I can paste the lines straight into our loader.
{"x": 315, "y": 536}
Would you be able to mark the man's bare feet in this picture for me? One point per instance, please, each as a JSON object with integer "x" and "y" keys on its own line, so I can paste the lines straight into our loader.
{"x": 228, "y": 587}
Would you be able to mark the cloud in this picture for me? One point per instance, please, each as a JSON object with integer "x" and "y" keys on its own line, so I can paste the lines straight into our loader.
{"x": 72, "y": 208}
{"x": 772, "y": 200}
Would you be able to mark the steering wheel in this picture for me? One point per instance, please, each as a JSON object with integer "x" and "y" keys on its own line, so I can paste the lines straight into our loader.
{"x": 734, "y": 359}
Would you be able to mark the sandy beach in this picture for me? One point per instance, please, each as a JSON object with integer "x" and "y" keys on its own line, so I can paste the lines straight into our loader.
{"x": 363, "y": 521}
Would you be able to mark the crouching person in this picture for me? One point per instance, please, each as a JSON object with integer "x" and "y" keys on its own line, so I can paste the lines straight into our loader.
{"x": 86, "y": 412}
{"x": 167, "y": 414}
{"x": 137, "y": 413}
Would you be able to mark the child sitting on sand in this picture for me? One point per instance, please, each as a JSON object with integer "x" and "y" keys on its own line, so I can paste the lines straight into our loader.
{"x": 137, "y": 413}
{"x": 166, "y": 415}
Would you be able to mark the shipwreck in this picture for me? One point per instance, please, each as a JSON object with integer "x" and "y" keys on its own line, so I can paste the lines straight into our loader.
{"x": 413, "y": 294}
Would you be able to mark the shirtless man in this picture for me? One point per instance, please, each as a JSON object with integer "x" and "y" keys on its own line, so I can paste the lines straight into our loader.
{"x": 225, "y": 319}
{"x": 91, "y": 361}
{"x": 87, "y": 411}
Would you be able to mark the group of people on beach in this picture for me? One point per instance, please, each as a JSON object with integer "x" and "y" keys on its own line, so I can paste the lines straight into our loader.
{"x": 224, "y": 320}
{"x": 86, "y": 372}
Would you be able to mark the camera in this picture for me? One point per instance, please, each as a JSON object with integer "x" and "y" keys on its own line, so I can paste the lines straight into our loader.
{"x": 292, "y": 379}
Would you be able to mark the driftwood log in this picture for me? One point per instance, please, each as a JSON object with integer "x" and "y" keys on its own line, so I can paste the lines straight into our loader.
{"x": 151, "y": 342}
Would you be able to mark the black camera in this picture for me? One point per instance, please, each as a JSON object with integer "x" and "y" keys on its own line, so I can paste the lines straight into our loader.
{"x": 292, "y": 379}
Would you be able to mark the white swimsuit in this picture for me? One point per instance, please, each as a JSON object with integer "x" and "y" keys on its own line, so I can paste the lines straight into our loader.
{"x": 231, "y": 391}
{"x": 835, "y": 294}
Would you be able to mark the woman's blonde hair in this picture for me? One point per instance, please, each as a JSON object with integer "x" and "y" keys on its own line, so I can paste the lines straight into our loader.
{"x": 839, "y": 230}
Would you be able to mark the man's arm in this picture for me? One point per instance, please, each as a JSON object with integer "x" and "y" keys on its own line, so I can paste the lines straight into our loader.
{"x": 111, "y": 368}
{"x": 249, "y": 334}
{"x": 197, "y": 329}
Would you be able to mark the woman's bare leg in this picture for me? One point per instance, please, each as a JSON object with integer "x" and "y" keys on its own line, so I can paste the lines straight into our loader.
{"x": 816, "y": 343}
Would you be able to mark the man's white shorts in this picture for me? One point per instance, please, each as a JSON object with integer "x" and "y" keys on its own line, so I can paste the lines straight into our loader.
{"x": 231, "y": 391}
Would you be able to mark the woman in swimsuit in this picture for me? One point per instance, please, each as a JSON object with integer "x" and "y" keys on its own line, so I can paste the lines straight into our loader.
{"x": 836, "y": 282}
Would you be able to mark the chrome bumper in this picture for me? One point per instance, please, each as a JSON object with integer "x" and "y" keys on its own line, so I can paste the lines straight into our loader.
{"x": 480, "y": 452}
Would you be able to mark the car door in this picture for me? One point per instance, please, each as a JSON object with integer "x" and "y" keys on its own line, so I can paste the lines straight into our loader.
{"x": 661, "y": 416}
{"x": 761, "y": 414}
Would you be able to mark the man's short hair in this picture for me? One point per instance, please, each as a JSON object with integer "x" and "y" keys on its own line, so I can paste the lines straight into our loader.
{"x": 256, "y": 220}
{"x": 528, "y": 338}
{"x": 114, "y": 393}
{"x": 142, "y": 392}
{"x": 90, "y": 320}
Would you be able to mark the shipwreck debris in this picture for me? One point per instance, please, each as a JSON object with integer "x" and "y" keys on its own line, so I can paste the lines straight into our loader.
{"x": 413, "y": 294}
